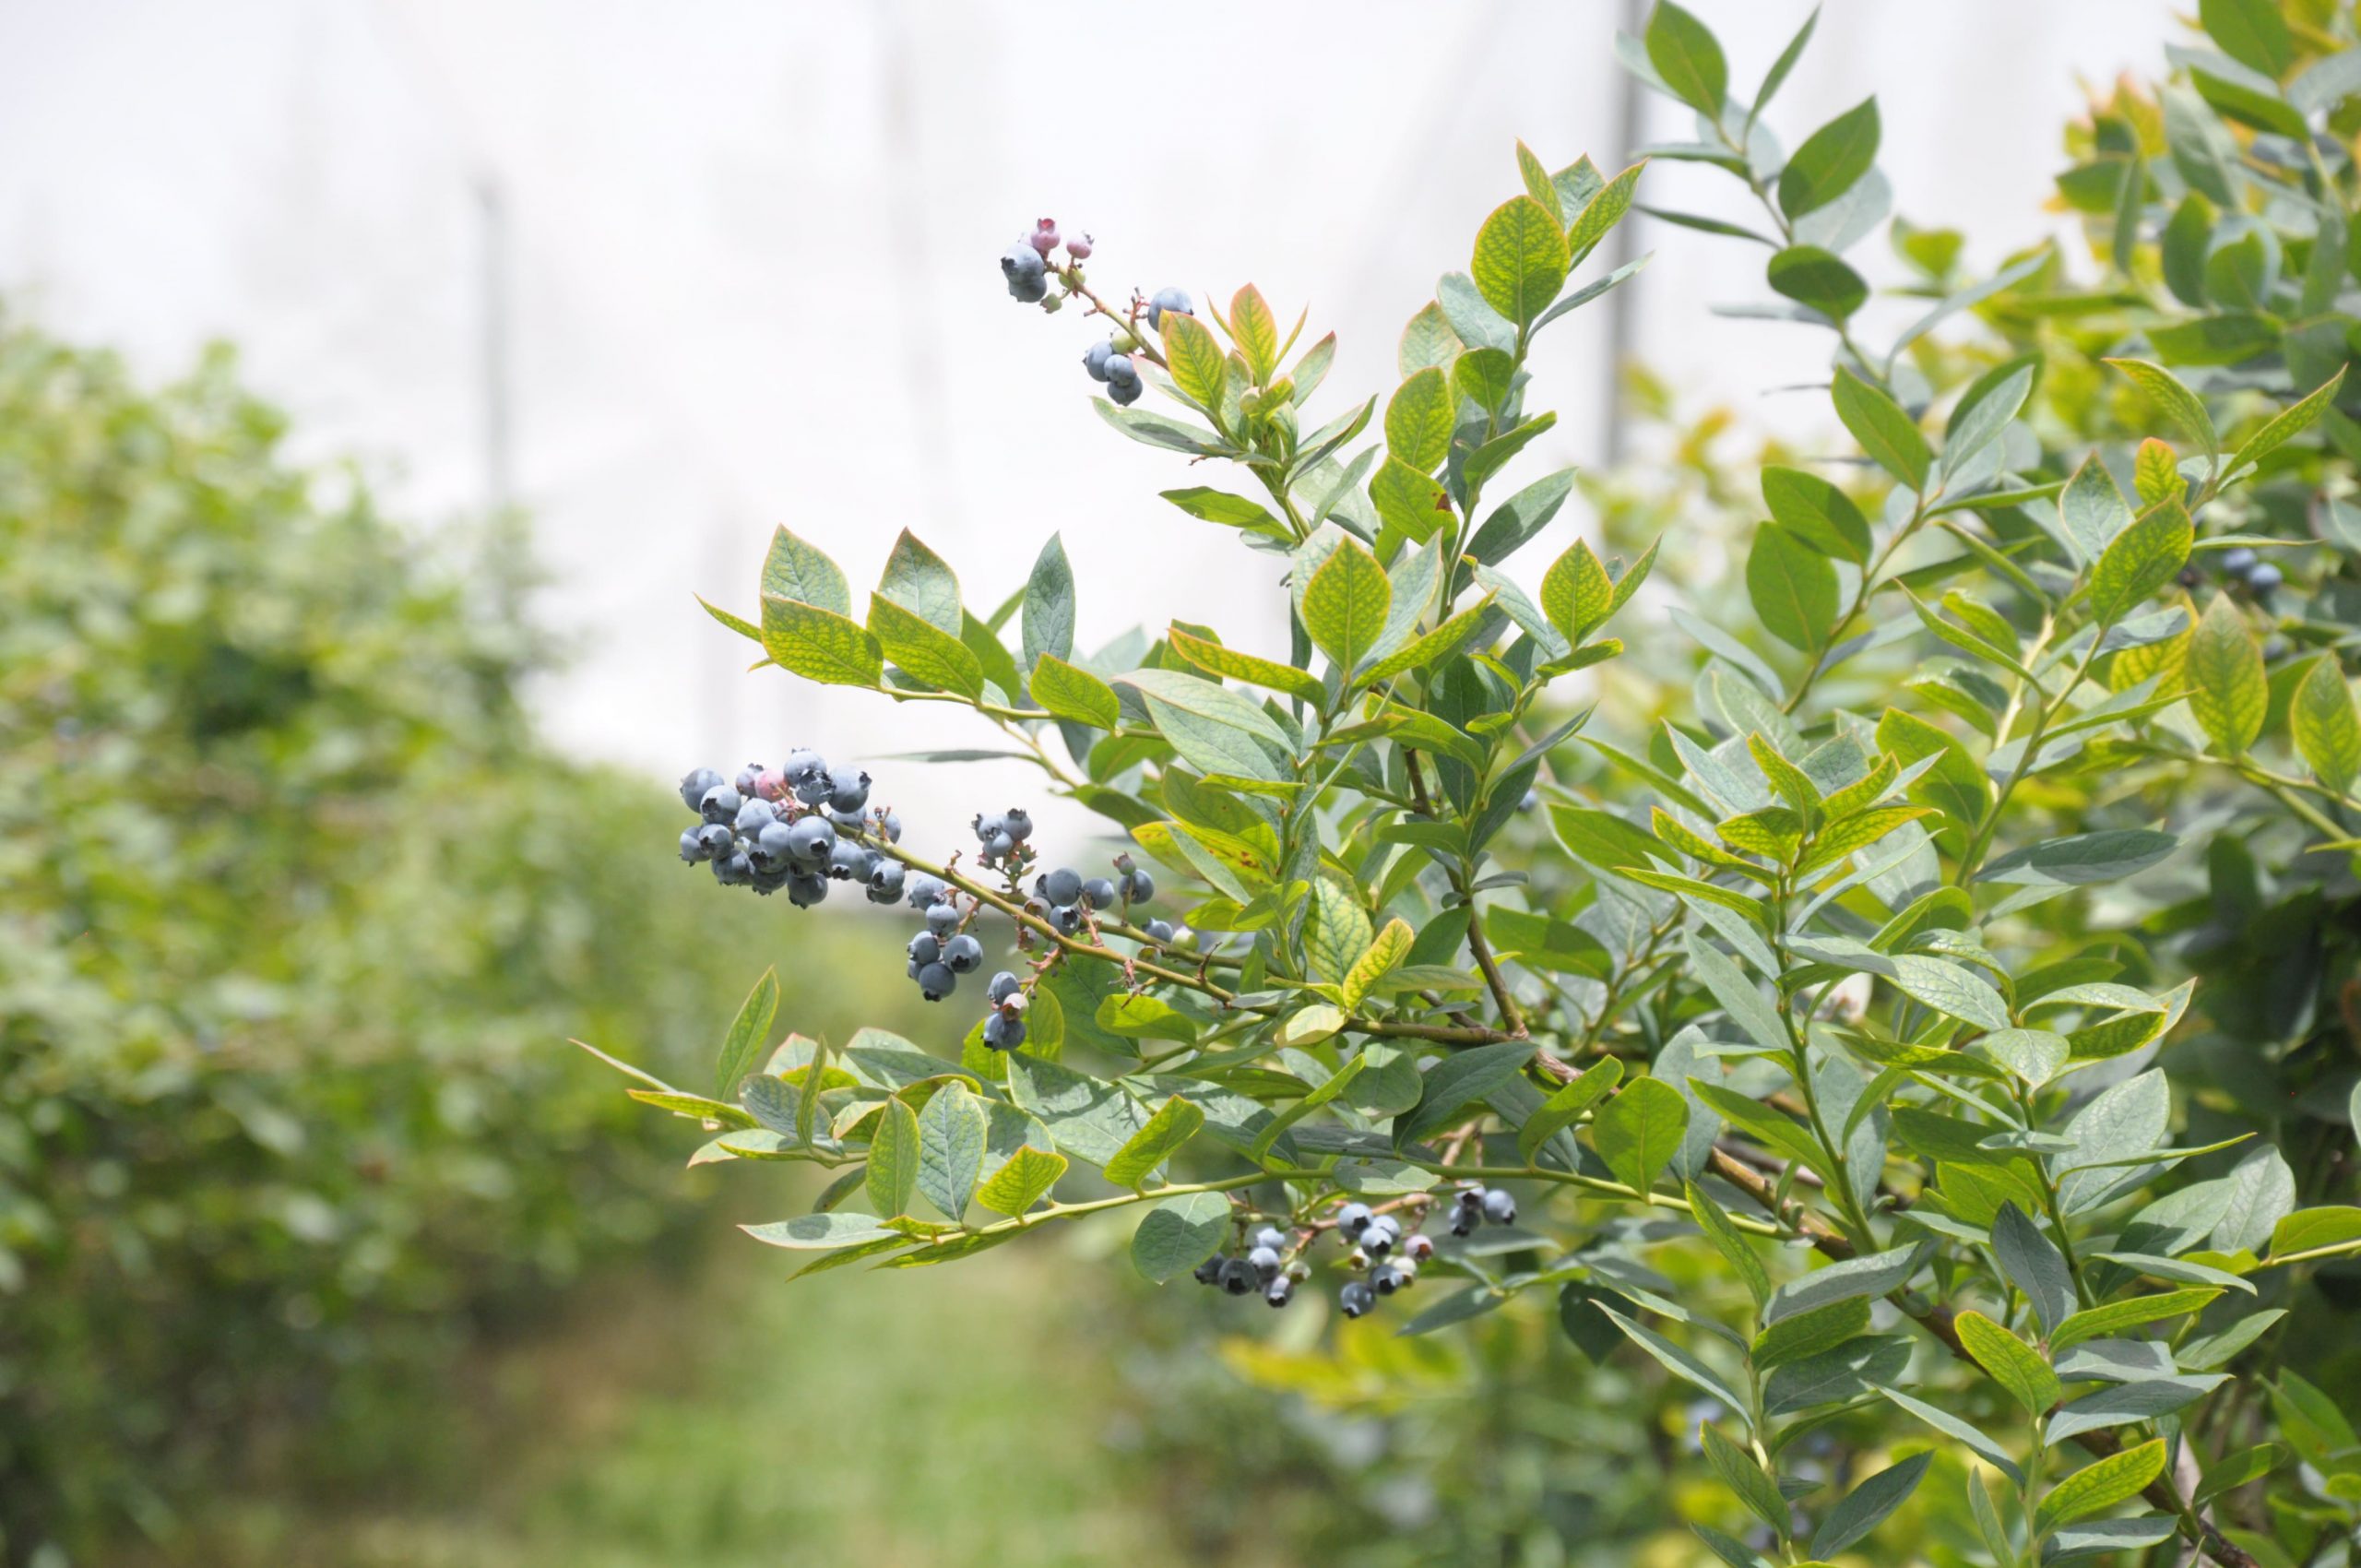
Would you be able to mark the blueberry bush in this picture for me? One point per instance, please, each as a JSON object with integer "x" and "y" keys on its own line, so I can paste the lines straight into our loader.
{"x": 1905, "y": 1005}
{"x": 292, "y": 904}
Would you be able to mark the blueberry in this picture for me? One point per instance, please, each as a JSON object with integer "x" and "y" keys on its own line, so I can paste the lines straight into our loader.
{"x": 1280, "y": 1293}
{"x": 999, "y": 847}
{"x": 693, "y": 848}
{"x": 1378, "y": 1241}
{"x": 2265, "y": 580}
{"x": 719, "y": 804}
{"x": 2238, "y": 561}
{"x": 964, "y": 953}
{"x": 715, "y": 840}
{"x": 748, "y": 777}
{"x": 1095, "y": 357}
{"x": 695, "y": 784}
{"x": 1353, "y": 1219}
{"x": 776, "y": 844}
{"x": 753, "y": 815}
{"x": 1044, "y": 237}
{"x": 935, "y": 982}
{"x": 1003, "y": 986}
{"x": 1028, "y": 291}
{"x": 943, "y": 918}
{"x": 1125, "y": 395}
{"x": 1238, "y": 1277}
{"x": 1137, "y": 887}
{"x": 769, "y": 881}
{"x": 891, "y": 825}
{"x": 1022, "y": 262}
{"x": 815, "y": 790}
{"x": 885, "y": 880}
{"x": 1271, "y": 1237}
{"x": 733, "y": 870}
{"x": 806, "y": 889}
{"x": 1060, "y": 886}
{"x": 1531, "y": 801}
{"x": 844, "y": 822}
{"x": 1209, "y": 1271}
{"x": 1469, "y": 1197}
{"x": 1098, "y": 893}
{"x": 1002, "y": 1032}
{"x": 811, "y": 841}
{"x": 1464, "y": 1222}
{"x": 1169, "y": 299}
{"x": 847, "y": 789}
{"x": 850, "y": 861}
{"x": 1385, "y": 1279}
{"x": 1067, "y": 918}
{"x": 1356, "y": 1298}
{"x": 1500, "y": 1208}
{"x": 801, "y": 766}
{"x": 1122, "y": 372}
{"x": 1160, "y": 930}
{"x": 1016, "y": 823}
{"x": 1266, "y": 1262}
{"x": 924, "y": 948}
{"x": 925, "y": 890}
{"x": 987, "y": 828}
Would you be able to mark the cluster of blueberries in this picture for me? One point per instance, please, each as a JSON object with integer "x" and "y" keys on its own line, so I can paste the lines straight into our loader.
{"x": 774, "y": 829}
{"x": 1111, "y": 362}
{"x": 1025, "y": 264}
{"x": 1067, "y": 898}
{"x": 2261, "y": 578}
{"x": 1386, "y": 1258}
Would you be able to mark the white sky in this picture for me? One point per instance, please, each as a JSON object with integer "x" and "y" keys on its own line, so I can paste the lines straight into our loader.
{"x": 752, "y": 262}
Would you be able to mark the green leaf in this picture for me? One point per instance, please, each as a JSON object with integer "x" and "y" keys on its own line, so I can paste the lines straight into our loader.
{"x": 1220, "y": 661}
{"x": 1830, "y": 159}
{"x": 1174, "y": 1124}
{"x": 920, "y": 651}
{"x": 1805, "y": 1335}
{"x": 2143, "y": 558}
{"x": 1977, "y": 1441}
{"x": 1818, "y": 513}
{"x": 1345, "y": 604}
{"x": 1419, "y": 418}
{"x": 1178, "y": 1234}
{"x": 1687, "y": 57}
{"x": 2235, "y": 1470}
{"x": 1563, "y": 1109}
{"x": 2034, "y": 1265}
{"x": 1216, "y": 729}
{"x": 2284, "y": 426}
{"x": 1676, "y": 1360}
{"x": 2092, "y": 510}
{"x": 1029, "y": 1173}
{"x": 2115, "y": 1316}
{"x": 748, "y": 1042}
{"x": 1875, "y": 1274}
{"x": 2083, "y": 858}
{"x": 1732, "y": 1243}
{"x": 1867, "y": 1506}
{"x": 1075, "y": 694}
{"x": 1459, "y": 1080}
{"x": 799, "y": 570}
{"x": 1326, "y": 1090}
{"x": 1230, "y": 511}
{"x": 1793, "y": 587}
{"x": 2253, "y": 32}
{"x": 1592, "y": 224}
{"x": 1520, "y": 259}
{"x": 922, "y": 583}
{"x": 821, "y": 1232}
{"x": 1140, "y": 1016}
{"x": 893, "y": 1158}
{"x": 1049, "y": 605}
{"x": 2014, "y": 1365}
{"x": 820, "y": 644}
{"x": 1537, "y": 183}
{"x": 952, "y": 1136}
{"x": 1483, "y": 376}
{"x": 1198, "y": 366}
{"x": 2326, "y": 730}
{"x": 2307, "y": 1228}
{"x": 1742, "y": 1474}
{"x": 1639, "y": 1130}
{"x": 1819, "y": 279}
{"x": 2177, "y": 402}
{"x": 1576, "y": 593}
{"x": 2101, "y": 1484}
{"x": 1889, "y": 436}
{"x": 2224, "y": 671}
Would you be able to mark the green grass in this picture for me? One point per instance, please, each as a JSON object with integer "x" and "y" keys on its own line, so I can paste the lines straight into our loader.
{"x": 941, "y": 1418}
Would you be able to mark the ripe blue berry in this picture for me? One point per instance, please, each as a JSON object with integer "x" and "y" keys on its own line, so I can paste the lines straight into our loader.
{"x": 1002, "y": 1032}
{"x": 943, "y": 919}
{"x": 806, "y": 889}
{"x": 733, "y": 870}
{"x": 693, "y": 848}
{"x": 2265, "y": 580}
{"x": 1168, "y": 298}
{"x": 1531, "y": 801}
{"x": 989, "y": 827}
{"x": 1387, "y": 1278}
{"x": 695, "y": 784}
{"x": 1123, "y": 394}
{"x": 1500, "y": 1208}
{"x": 802, "y": 764}
{"x": 885, "y": 880}
{"x": 850, "y": 861}
{"x": 1353, "y": 1219}
{"x": 1136, "y": 886}
{"x": 1209, "y": 1271}
{"x": 890, "y": 824}
{"x": 811, "y": 841}
{"x": 747, "y": 777}
{"x": 1095, "y": 357}
{"x": 936, "y": 981}
{"x": 719, "y": 804}
{"x": 715, "y": 839}
{"x": 1238, "y": 1277}
{"x": 999, "y": 847}
{"x": 2238, "y": 561}
{"x": 1271, "y": 1237}
{"x": 1098, "y": 893}
{"x": 925, "y": 947}
{"x": 1378, "y": 1239}
{"x": 1067, "y": 918}
{"x": 964, "y": 953}
{"x": 769, "y": 881}
{"x": 925, "y": 890}
{"x": 848, "y": 790}
{"x": 776, "y": 844}
{"x": 1017, "y": 822}
{"x": 1003, "y": 986}
{"x": 1463, "y": 1221}
{"x": 1266, "y": 1260}
{"x": 1160, "y": 930}
{"x": 1356, "y": 1298}
{"x": 753, "y": 815}
{"x": 1063, "y": 886}
{"x": 1280, "y": 1293}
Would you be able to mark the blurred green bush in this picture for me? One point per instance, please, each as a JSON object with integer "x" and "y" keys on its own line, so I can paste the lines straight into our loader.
{"x": 295, "y": 916}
